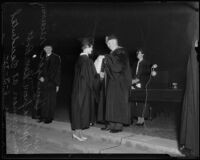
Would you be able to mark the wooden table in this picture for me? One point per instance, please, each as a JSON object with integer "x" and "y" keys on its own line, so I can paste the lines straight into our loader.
{"x": 157, "y": 95}
{"x": 172, "y": 97}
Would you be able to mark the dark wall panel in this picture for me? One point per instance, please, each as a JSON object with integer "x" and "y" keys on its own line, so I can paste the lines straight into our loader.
{"x": 164, "y": 31}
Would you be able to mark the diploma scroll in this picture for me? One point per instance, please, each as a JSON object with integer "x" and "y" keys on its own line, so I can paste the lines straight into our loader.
{"x": 98, "y": 63}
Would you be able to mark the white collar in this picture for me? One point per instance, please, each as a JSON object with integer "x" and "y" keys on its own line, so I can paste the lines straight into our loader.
{"x": 118, "y": 47}
{"x": 140, "y": 60}
{"x": 48, "y": 55}
{"x": 84, "y": 54}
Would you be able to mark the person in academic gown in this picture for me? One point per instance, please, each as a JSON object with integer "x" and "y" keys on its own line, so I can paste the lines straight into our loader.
{"x": 140, "y": 72}
{"x": 118, "y": 85}
{"x": 50, "y": 82}
{"x": 83, "y": 91}
{"x": 189, "y": 129}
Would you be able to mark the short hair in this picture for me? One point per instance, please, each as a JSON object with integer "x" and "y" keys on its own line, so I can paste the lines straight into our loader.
{"x": 111, "y": 37}
{"x": 86, "y": 42}
{"x": 139, "y": 50}
{"x": 48, "y": 46}
{"x": 86, "y": 45}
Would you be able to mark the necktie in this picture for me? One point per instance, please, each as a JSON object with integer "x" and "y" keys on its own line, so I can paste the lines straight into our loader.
{"x": 137, "y": 67}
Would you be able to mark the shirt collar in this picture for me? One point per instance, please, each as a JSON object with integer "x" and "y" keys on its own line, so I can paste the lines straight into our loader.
{"x": 84, "y": 54}
{"x": 140, "y": 60}
{"x": 48, "y": 55}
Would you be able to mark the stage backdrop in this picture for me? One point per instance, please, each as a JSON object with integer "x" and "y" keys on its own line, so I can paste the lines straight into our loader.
{"x": 162, "y": 30}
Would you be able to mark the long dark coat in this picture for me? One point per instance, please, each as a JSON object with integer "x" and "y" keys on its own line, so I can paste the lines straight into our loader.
{"x": 51, "y": 73}
{"x": 118, "y": 84}
{"x": 189, "y": 131}
{"x": 83, "y": 94}
{"x": 101, "y": 102}
{"x": 143, "y": 72}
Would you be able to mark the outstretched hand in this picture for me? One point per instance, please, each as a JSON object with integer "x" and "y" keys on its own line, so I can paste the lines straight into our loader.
{"x": 57, "y": 88}
{"x": 41, "y": 79}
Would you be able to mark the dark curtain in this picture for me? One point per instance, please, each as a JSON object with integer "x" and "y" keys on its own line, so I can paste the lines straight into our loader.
{"x": 189, "y": 135}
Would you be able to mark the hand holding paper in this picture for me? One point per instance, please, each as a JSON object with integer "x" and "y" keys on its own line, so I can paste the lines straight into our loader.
{"x": 134, "y": 81}
{"x": 41, "y": 79}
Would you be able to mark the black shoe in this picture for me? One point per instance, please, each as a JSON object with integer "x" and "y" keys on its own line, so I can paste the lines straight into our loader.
{"x": 48, "y": 121}
{"x": 34, "y": 117}
{"x": 106, "y": 128}
{"x": 40, "y": 120}
{"x": 185, "y": 151}
{"x": 115, "y": 130}
{"x": 139, "y": 124}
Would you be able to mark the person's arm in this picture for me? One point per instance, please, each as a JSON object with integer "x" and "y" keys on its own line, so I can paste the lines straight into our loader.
{"x": 144, "y": 73}
{"x": 115, "y": 64}
{"x": 58, "y": 75}
{"x": 42, "y": 71}
{"x": 135, "y": 80}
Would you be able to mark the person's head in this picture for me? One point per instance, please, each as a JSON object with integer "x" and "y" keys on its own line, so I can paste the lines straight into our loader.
{"x": 140, "y": 54}
{"x": 112, "y": 42}
{"x": 48, "y": 49}
{"x": 87, "y": 46}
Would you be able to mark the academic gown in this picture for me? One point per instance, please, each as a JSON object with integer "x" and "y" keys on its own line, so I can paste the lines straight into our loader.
{"x": 189, "y": 130}
{"x": 118, "y": 86}
{"x": 101, "y": 102}
{"x": 51, "y": 73}
{"x": 83, "y": 94}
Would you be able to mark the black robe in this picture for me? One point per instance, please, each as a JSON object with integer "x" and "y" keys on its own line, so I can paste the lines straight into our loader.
{"x": 189, "y": 131}
{"x": 118, "y": 86}
{"x": 83, "y": 94}
{"x": 51, "y": 73}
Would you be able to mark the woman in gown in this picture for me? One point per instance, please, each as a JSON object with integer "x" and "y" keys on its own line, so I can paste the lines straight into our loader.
{"x": 83, "y": 92}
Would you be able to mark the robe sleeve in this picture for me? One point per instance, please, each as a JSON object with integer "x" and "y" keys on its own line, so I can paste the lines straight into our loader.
{"x": 86, "y": 78}
{"x": 92, "y": 75}
{"x": 93, "y": 79}
{"x": 115, "y": 63}
{"x": 79, "y": 84}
